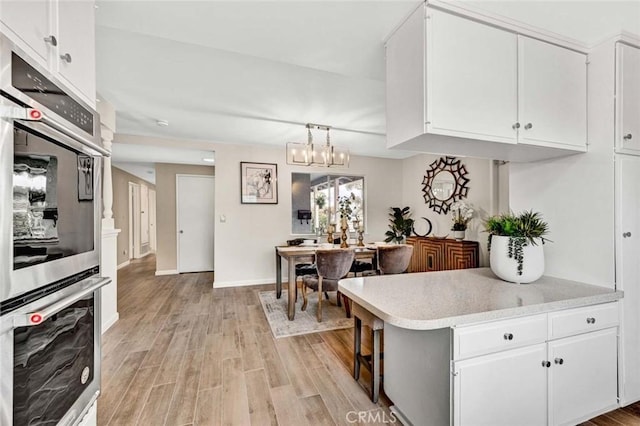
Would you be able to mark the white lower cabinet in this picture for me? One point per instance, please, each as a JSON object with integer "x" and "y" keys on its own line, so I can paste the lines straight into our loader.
{"x": 559, "y": 381}
{"x": 507, "y": 388}
{"x": 582, "y": 376}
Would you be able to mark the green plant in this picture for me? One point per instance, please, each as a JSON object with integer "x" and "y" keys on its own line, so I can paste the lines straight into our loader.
{"x": 522, "y": 229}
{"x": 400, "y": 224}
{"x": 344, "y": 206}
{"x": 321, "y": 200}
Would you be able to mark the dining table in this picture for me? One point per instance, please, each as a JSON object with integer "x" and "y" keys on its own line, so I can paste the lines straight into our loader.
{"x": 295, "y": 255}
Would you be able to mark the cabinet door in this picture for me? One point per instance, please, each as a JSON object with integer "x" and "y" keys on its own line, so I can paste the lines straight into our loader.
{"x": 552, "y": 101}
{"x": 28, "y": 24}
{"x": 628, "y": 272}
{"x": 76, "y": 38}
{"x": 471, "y": 73}
{"x": 628, "y": 101}
{"x": 582, "y": 377}
{"x": 507, "y": 388}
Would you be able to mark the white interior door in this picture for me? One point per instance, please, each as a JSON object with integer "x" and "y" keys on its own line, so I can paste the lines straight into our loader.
{"x": 152, "y": 219}
{"x": 134, "y": 221}
{"x": 628, "y": 272}
{"x": 195, "y": 222}
{"x": 144, "y": 215}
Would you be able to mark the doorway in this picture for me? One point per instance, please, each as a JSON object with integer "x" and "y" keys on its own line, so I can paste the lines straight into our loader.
{"x": 134, "y": 221}
{"x": 194, "y": 222}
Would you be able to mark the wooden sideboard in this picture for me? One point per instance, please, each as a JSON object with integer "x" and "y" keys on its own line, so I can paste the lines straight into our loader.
{"x": 440, "y": 254}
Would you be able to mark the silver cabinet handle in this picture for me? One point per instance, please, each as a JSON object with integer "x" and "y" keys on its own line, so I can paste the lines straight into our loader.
{"x": 516, "y": 126}
{"x": 66, "y": 57}
{"x": 626, "y": 234}
{"x": 51, "y": 40}
{"x": 591, "y": 320}
{"x": 546, "y": 364}
{"x": 627, "y": 137}
{"x": 559, "y": 361}
{"x": 181, "y": 231}
{"x": 508, "y": 336}
{"x": 528, "y": 126}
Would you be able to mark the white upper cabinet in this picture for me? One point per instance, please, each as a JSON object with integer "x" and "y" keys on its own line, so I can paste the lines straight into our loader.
{"x": 76, "y": 59}
{"x": 628, "y": 99}
{"x": 471, "y": 79}
{"x": 60, "y": 35}
{"x": 552, "y": 102}
{"x": 462, "y": 83}
{"x": 30, "y": 32}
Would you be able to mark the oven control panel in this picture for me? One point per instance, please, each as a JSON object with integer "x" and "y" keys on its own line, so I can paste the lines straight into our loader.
{"x": 33, "y": 84}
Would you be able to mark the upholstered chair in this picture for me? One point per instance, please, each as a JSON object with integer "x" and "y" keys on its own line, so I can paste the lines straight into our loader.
{"x": 392, "y": 259}
{"x": 331, "y": 265}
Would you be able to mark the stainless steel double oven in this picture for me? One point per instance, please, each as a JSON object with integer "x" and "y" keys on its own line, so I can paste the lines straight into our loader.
{"x": 50, "y": 175}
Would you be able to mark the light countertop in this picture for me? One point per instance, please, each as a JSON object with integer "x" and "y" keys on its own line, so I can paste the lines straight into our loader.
{"x": 432, "y": 300}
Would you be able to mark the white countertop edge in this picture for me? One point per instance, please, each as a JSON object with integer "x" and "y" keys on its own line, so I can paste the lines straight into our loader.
{"x": 453, "y": 321}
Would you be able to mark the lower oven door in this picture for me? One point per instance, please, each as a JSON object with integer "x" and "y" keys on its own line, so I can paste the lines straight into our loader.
{"x": 50, "y": 365}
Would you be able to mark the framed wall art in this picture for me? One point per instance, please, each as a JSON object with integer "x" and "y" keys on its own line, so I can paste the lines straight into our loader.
{"x": 258, "y": 183}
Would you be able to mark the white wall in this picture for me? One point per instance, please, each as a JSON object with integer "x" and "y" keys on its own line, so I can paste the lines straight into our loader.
{"x": 481, "y": 196}
{"x": 576, "y": 194}
{"x": 245, "y": 242}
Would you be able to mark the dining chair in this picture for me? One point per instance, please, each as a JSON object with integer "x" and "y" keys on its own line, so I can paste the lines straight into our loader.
{"x": 331, "y": 266}
{"x": 392, "y": 259}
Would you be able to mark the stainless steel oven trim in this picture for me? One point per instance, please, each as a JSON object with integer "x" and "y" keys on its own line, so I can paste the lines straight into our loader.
{"x": 90, "y": 394}
{"x": 6, "y": 47}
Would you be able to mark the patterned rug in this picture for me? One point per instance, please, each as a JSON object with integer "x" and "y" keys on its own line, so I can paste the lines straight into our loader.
{"x": 305, "y": 322}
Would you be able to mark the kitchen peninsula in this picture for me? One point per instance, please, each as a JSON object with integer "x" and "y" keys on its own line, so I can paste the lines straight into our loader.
{"x": 463, "y": 347}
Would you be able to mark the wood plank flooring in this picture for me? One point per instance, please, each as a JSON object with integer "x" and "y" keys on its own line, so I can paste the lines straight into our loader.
{"x": 184, "y": 353}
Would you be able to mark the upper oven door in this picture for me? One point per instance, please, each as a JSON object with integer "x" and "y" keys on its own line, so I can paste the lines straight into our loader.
{"x": 50, "y": 176}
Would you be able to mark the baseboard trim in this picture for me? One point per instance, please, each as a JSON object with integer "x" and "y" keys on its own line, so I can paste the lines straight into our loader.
{"x": 243, "y": 283}
{"x": 107, "y": 325}
{"x": 167, "y": 272}
{"x": 123, "y": 264}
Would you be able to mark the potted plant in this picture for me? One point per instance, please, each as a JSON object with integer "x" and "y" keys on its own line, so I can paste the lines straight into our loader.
{"x": 461, "y": 214}
{"x": 400, "y": 224}
{"x": 515, "y": 245}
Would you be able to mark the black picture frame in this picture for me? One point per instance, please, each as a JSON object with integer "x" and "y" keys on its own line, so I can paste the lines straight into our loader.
{"x": 258, "y": 183}
{"x": 85, "y": 178}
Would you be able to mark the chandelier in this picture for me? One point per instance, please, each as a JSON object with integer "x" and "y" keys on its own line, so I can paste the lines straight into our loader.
{"x": 310, "y": 154}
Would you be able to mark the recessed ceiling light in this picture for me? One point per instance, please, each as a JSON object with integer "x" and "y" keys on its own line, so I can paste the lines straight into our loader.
{"x": 163, "y": 123}
{"x": 208, "y": 160}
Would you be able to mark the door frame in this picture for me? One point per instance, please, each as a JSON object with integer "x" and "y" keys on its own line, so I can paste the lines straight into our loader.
{"x": 133, "y": 202}
{"x": 152, "y": 220}
{"x": 178, "y": 176}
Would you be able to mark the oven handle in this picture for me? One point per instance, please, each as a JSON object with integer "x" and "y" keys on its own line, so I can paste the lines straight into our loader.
{"x": 65, "y": 130}
{"x": 37, "y": 317}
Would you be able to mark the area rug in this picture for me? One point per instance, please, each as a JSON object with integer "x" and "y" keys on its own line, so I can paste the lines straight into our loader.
{"x": 305, "y": 322}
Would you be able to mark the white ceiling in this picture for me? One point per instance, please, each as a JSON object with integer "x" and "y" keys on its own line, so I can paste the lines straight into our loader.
{"x": 254, "y": 72}
{"x": 140, "y": 160}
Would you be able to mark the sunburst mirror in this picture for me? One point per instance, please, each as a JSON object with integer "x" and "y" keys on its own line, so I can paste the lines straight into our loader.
{"x": 444, "y": 183}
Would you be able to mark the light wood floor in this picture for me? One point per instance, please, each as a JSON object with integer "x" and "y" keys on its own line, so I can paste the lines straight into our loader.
{"x": 183, "y": 353}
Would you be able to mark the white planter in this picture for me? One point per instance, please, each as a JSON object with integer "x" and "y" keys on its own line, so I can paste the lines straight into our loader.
{"x": 507, "y": 268}
{"x": 458, "y": 235}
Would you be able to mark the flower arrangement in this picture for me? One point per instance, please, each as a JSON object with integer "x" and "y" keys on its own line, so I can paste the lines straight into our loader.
{"x": 461, "y": 214}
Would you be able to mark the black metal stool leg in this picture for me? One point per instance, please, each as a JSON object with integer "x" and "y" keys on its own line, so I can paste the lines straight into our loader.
{"x": 375, "y": 365}
{"x": 357, "y": 340}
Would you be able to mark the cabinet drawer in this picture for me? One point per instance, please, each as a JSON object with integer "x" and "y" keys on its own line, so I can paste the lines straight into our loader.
{"x": 581, "y": 320}
{"x": 499, "y": 336}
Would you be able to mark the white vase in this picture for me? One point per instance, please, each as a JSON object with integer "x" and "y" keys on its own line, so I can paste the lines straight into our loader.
{"x": 507, "y": 268}
{"x": 458, "y": 235}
